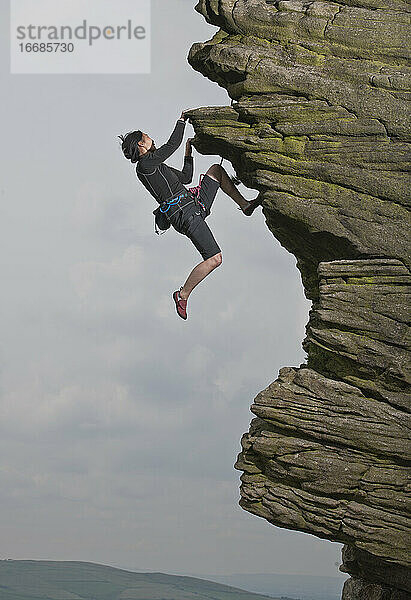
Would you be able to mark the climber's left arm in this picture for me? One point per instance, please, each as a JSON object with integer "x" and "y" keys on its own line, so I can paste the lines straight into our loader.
{"x": 186, "y": 174}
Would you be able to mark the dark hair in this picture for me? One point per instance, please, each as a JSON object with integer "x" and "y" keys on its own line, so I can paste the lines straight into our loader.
{"x": 129, "y": 145}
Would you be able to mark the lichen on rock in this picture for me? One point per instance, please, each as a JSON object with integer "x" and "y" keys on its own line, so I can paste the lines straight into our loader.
{"x": 319, "y": 125}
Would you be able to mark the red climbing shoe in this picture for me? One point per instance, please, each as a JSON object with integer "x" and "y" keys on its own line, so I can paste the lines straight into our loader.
{"x": 181, "y": 305}
{"x": 251, "y": 207}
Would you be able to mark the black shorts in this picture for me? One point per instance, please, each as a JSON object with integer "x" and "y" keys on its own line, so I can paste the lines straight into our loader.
{"x": 194, "y": 225}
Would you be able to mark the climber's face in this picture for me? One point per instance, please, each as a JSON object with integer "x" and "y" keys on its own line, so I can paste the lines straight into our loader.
{"x": 146, "y": 144}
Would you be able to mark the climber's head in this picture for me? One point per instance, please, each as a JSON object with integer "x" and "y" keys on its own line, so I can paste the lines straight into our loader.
{"x": 135, "y": 144}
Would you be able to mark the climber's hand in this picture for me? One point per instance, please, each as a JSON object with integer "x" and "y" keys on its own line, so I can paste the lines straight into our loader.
{"x": 189, "y": 146}
{"x": 184, "y": 116}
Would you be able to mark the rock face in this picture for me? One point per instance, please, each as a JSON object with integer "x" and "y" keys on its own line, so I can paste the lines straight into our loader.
{"x": 319, "y": 124}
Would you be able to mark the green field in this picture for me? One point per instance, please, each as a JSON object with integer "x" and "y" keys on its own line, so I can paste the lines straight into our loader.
{"x": 72, "y": 580}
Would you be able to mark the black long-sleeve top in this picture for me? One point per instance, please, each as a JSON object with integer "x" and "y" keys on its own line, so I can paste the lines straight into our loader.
{"x": 162, "y": 181}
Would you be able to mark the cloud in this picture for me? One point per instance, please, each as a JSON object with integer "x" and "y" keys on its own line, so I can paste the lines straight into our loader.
{"x": 102, "y": 213}
{"x": 120, "y": 274}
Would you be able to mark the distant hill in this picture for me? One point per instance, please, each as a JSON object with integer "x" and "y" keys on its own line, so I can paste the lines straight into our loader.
{"x": 303, "y": 587}
{"x": 73, "y": 580}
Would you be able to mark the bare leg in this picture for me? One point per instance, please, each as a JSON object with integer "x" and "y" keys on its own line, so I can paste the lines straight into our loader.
{"x": 199, "y": 272}
{"x": 204, "y": 268}
{"x": 218, "y": 173}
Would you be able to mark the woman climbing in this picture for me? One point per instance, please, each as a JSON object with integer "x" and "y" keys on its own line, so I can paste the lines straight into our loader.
{"x": 185, "y": 209}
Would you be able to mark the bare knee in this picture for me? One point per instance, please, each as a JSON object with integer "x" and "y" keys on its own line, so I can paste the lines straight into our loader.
{"x": 215, "y": 172}
{"x": 216, "y": 260}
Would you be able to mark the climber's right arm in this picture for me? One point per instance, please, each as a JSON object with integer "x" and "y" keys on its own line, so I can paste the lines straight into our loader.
{"x": 151, "y": 160}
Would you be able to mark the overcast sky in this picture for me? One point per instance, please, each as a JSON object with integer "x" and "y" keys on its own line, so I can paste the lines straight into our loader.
{"x": 120, "y": 422}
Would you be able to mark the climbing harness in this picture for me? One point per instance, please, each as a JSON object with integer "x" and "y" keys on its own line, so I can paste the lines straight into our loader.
{"x": 178, "y": 200}
{"x": 162, "y": 216}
